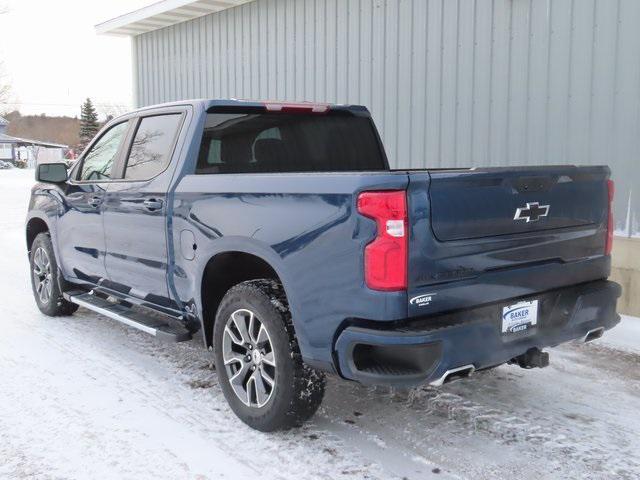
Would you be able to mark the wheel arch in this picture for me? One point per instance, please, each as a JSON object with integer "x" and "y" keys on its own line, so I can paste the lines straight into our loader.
{"x": 35, "y": 226}
{"x": 222, "y": 271}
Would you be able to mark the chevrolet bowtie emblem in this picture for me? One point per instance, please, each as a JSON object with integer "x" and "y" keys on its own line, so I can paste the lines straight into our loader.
{"x": 532, "y": 212}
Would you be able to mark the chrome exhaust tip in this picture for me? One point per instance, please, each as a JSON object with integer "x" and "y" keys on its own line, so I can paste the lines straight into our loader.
{"x": 454, "y": 374}
{"x": 593, "y": 334}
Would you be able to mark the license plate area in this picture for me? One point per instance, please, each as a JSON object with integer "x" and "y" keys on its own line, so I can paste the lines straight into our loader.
{"x": 519, "y": 317}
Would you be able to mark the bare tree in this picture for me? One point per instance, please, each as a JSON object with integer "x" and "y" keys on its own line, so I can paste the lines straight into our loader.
{"x": 5, "y": 84}
{"x": 140, "y": 153}
{"x": 5, "y": 88}
{"x": 111, "y": 110}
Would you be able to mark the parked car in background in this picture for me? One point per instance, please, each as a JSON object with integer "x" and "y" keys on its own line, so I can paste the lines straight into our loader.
{"x": 278, "y": 235}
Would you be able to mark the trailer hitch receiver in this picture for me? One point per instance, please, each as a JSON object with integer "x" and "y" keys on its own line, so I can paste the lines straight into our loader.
{"x": 533, "y": 358}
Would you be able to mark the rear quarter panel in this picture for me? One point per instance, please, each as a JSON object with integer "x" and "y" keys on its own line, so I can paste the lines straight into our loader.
{"x": 305, "y": 226}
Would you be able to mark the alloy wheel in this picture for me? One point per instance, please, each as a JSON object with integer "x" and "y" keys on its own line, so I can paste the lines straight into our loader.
{"x": 42, "y": 274}
{"x": 249, "y": 358}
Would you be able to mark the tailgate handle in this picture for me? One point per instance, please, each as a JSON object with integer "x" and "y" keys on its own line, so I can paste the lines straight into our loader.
{"x": 534, "y": 184}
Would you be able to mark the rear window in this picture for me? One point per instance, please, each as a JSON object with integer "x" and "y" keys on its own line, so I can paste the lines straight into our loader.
{"x": 274, "y": 142}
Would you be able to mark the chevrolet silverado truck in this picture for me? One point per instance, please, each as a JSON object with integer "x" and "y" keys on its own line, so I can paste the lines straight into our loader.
{"x": 277, "y": 235}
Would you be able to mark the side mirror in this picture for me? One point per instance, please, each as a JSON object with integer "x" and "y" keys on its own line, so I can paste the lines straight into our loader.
{"x": 51, "y": 172}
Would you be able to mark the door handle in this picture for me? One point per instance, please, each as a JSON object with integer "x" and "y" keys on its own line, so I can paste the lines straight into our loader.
{"x": 153, "y": 204}
{"x": 95, "y": 202}
{"x": 75, "y": 196}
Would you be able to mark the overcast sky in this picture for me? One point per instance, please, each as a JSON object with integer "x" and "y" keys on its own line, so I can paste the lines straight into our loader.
{"x": 54, "y": 59}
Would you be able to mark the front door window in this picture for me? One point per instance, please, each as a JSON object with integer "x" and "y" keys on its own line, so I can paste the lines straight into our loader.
{"x": 98, "y": 161}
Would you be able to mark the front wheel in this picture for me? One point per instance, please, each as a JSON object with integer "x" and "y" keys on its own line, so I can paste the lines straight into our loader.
{"x": 44, "y": 279}
{"x": 258, "y": 360}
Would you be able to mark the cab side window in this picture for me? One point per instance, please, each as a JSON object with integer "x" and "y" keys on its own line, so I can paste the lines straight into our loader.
{"x": 98, "y": 162}
{"x": 152, "y": 146}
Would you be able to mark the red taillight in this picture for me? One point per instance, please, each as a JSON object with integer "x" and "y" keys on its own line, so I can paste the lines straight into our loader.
{"x": 609, "y": 244}
{"x": 385, "y": 258}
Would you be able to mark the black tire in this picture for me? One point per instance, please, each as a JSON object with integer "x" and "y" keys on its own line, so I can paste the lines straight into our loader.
{"x": 52, "y": 304}
{"x": 297, "y": 389}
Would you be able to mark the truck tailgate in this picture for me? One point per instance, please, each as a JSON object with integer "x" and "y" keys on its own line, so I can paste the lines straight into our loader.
{"x": 481, "y": 235}
{"x": 490, "y": 202}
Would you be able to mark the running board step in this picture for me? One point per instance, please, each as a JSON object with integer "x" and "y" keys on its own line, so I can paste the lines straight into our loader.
{"x": 163, "y": 327}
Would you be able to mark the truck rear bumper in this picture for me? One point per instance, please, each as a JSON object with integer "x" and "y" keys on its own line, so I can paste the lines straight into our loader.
{"x": 432, "y": 349}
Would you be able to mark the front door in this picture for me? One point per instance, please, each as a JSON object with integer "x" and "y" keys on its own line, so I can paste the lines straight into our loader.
{"x": 135, "y": 211}
{"x": 80, "y": 225}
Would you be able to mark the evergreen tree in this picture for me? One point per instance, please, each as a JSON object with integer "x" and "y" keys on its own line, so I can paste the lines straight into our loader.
{"x": 88, "y": 123}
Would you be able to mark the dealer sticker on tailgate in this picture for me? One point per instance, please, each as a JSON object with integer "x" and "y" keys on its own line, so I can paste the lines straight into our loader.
{"x": 519, "y": 316}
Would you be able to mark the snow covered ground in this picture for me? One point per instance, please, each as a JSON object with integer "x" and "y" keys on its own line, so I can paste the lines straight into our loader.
{"x": 84, "y": 397}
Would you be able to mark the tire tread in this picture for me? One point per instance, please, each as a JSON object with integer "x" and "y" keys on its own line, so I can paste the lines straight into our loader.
{"x": 60, "y": 307}
{"x": 308, "y": 383}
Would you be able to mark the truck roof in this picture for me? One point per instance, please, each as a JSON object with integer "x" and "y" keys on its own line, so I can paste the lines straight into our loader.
{"x": 271, "y": 105}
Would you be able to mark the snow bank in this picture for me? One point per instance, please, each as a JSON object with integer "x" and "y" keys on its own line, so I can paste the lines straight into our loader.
{"x": 626, "y": 336}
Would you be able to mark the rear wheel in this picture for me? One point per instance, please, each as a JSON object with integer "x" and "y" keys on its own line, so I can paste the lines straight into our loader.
{"x": 44, "y": 279}
{"x": 258, "y": 360}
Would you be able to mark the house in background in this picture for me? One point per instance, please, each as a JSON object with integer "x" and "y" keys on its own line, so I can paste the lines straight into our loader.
{"x": 32, "y": 152}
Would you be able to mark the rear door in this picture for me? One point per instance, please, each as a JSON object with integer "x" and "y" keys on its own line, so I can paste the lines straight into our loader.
{"x": 135, "y": 210}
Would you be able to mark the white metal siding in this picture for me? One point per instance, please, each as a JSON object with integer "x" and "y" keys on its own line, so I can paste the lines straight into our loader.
{"x": 449, "y": 82}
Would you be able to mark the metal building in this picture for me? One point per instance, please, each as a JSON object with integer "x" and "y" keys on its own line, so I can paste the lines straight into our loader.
{"x": 449, "y": 82}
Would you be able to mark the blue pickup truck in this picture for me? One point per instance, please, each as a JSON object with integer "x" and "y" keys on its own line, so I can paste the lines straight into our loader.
{"x": 278, "y": 235}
